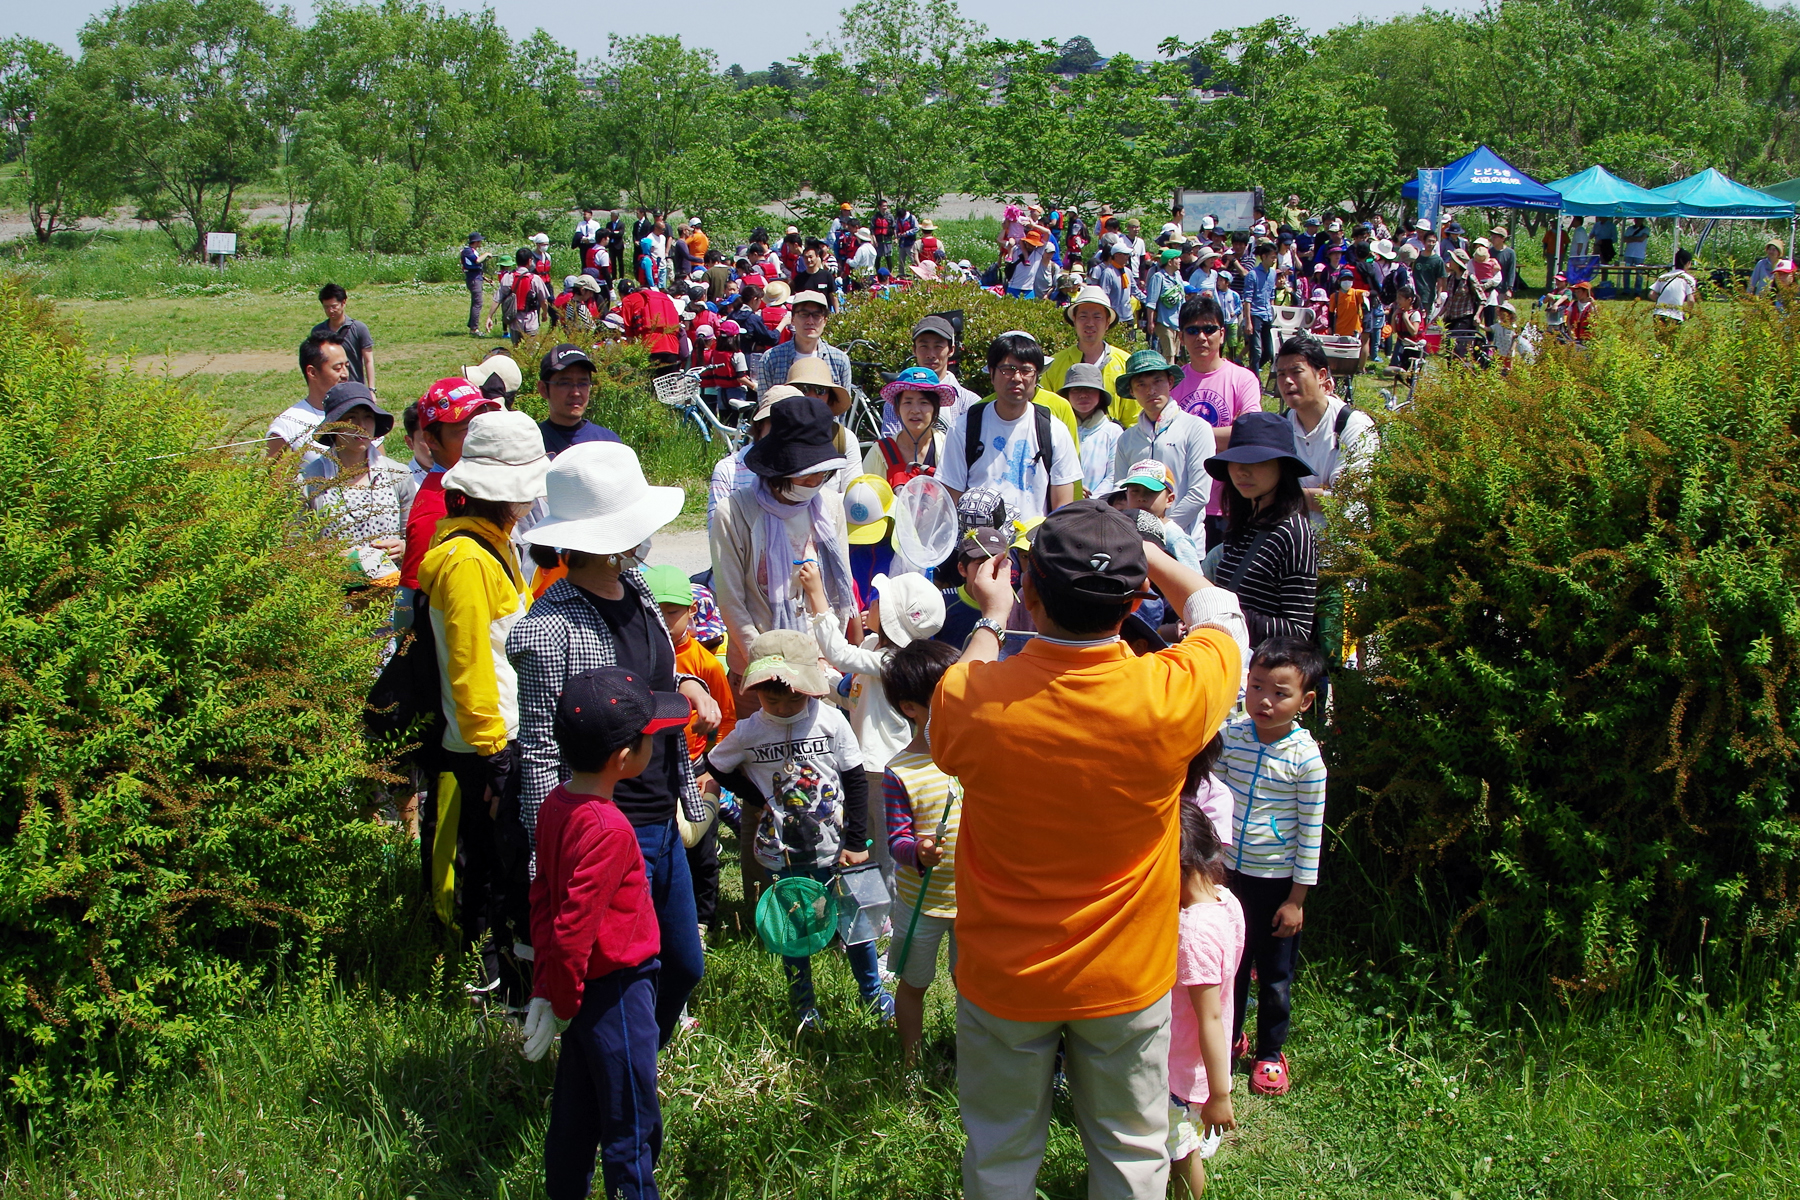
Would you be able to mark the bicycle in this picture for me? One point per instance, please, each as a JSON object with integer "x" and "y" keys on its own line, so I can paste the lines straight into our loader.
{"x": 865, "y": 415}
{"x": 681, "y": 391}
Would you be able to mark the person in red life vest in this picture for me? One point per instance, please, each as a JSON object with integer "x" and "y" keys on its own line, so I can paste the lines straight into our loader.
{"x": 917, "y": 446}
{"x": 882, "y": 225}
{"x": 540, "y": 256}
{"x": 445, "y": 411}
{"x": 650, "y": 317}
{"x": 725, "y": 374}
{"x": 596, "y": 938}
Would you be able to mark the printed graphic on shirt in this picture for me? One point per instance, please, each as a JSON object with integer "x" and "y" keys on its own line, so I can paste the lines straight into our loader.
{"x": 800, "y": 825}
{"x": 1021, "y": 462}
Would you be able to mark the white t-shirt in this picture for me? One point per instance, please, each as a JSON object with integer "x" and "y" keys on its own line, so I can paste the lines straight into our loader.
{"x": 798, "y": 764}
{"x": 295, "y": 426}
{"x": 1009, "y": 462}
{"x": 1674, "y": 292}
{"x": 1025, "y": 271}
{"x": 1329, "y": 454}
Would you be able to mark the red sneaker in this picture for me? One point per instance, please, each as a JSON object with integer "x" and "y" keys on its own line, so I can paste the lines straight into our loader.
{"x": 1241, "y": 1047}
{"x": 1270, "y": 1078}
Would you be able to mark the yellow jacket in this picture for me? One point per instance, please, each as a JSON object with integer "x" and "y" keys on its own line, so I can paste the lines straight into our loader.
{"x": 474, "y": 605}
{"x": 1112, "y": 364}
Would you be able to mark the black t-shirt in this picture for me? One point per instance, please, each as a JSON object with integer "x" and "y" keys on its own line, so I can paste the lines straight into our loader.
{"x": 645, "y": 649}
{"x": 821, "y": 281}
{"x": 354, "y": 337}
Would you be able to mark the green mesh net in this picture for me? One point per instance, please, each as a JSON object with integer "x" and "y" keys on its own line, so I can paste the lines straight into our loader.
{"x": 797, "y": 917}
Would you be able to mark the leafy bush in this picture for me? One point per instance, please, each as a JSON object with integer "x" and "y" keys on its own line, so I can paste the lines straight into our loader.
{"x": 183, "y": 785}
{"x": 888, "y": 324}
{"x": 1574, "y": 589}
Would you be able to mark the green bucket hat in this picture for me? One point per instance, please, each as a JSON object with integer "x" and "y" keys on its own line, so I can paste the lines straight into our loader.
{"x": 1144, "y": 362}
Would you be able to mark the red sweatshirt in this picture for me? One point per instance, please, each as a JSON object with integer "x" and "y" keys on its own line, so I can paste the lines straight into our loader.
{"x": 421, "y": 523}
{"x": 590, "y": 903}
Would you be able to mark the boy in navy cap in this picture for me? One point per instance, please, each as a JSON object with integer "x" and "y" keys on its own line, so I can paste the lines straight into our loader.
{"x": 594, "y": 930}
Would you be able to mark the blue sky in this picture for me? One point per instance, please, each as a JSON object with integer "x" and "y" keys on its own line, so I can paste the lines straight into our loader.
{"x": 783, "y": 28}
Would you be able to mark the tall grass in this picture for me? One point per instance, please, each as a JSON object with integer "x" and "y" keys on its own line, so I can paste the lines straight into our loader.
{"x": 372, "y": 1076}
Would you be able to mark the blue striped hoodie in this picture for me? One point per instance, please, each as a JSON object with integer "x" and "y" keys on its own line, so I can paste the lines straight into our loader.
{"x": 1277, "y": 802}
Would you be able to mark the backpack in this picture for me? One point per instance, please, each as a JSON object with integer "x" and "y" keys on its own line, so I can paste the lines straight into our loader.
{"x": 408, "y": 689}
{"x": 899, "y": 471}
{"x": 509, "y": 300}
{"x": 973, "y": 446}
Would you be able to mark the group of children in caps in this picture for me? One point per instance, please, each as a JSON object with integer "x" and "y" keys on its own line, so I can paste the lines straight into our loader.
{"x": 803, "y": 768}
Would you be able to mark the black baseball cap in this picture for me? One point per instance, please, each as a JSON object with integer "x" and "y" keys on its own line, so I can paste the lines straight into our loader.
{"x": 981, "y": 543}
{"x": 561, "y": 358}
{"x": 1092, "y": 550}
{"x": 611, "y": 707}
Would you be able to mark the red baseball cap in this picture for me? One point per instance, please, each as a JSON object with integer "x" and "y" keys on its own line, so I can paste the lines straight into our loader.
{"x": 453, "y": 400}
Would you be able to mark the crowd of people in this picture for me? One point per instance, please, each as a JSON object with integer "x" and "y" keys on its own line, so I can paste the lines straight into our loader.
{"x": 1134, "y": 562}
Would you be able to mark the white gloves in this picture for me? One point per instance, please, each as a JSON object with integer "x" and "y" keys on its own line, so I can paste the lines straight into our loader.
{"x": 541, "y": 1027}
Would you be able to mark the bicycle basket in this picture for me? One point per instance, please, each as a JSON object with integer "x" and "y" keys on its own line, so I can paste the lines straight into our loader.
{"x": 678, "y": 389}
{"x": 797, "y": 917}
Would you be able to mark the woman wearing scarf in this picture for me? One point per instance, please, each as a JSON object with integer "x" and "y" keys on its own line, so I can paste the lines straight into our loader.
{"x": 762, "y": 533}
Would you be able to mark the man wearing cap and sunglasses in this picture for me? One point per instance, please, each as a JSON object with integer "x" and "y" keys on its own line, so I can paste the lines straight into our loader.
{"x": 1067, "y": 919}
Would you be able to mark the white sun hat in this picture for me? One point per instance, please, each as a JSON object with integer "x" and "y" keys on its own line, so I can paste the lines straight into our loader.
{"x": 503, "y": 459}
{"x": 599, "y": 503}
{"x": 912, "y": 609}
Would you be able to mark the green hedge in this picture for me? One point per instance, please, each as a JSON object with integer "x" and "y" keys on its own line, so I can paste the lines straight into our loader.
{"x": 183, "y": 786}
{"x": 1574, "y": 726}
{"x": 888, "y": 324}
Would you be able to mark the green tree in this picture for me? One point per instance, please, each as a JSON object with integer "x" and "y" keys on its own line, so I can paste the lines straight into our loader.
{"x": 1097, "y": 138}
{"x": 172, "y": 96}
{"x": 1266, "y": 130}
{"x": 662, "y": 126}
{"x": 423, "y": 121}
{"x": 895, "y": 94}
{"x": 57, "y": 183}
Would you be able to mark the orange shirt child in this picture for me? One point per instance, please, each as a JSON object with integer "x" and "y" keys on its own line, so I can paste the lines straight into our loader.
{"x": 691, "y": 658}
{"x": 1346, "y": 312}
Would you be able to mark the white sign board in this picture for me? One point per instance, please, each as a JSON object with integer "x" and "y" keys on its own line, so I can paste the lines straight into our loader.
{"x": 221, "y": 243}
{"x": 1232, "y": 210}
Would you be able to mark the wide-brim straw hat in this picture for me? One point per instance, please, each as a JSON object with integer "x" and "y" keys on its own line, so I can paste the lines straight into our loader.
{"x": 1092, "y": 295}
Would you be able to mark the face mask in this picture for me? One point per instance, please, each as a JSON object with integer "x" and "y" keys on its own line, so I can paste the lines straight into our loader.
{"x": 1343, "y": 285}
{"x": 769, "y": 716}
{"x": 634, "y": 558}
{"x": 800, "y": 495}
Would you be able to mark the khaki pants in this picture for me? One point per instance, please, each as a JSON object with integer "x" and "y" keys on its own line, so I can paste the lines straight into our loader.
{"x": 1167, "y": 344}
{"x": 1118, "y": 1070}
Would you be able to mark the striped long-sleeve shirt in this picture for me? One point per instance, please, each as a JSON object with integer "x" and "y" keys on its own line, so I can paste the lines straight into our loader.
{"x": 1279, "y": 587}
{"x": 1277, "y": 802}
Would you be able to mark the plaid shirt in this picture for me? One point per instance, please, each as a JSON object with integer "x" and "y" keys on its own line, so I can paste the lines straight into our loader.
{"x": 775, "y": 364}
{"x": 562, "y": 635}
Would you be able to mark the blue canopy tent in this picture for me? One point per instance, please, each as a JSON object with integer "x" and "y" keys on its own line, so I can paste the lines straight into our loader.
{"x": 1710, "y": 194}
{"x": 1482, "y": 179}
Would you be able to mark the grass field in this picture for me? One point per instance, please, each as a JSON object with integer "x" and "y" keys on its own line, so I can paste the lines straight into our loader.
{"x": 358, "y": 1086}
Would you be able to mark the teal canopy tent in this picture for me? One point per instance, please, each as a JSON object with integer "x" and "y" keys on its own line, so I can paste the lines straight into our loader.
{"x": 1597, "y": 192}
{"x": 1710, "y": 194}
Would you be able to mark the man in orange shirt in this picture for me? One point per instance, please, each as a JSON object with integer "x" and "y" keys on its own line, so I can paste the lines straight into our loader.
{"x": 1071, "y": 756}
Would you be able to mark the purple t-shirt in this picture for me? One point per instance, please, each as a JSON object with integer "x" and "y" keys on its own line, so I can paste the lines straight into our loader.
{"x": 1219, "y": 398}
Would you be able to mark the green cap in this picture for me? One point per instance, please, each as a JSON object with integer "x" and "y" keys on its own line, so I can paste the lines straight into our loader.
{"x": 1144, "y": 362}
{"x": 668, "y": 585}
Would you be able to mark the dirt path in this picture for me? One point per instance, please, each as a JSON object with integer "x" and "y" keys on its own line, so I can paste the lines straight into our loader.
{"x": 258, "y": 362}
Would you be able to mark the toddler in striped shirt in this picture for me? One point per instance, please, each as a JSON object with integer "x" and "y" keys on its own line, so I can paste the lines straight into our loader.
{"x": 1277, "y": 781}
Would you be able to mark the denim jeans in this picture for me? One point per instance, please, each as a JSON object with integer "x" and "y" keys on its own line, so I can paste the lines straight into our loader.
{"x": 865, "y": 963}
{"x": 672, "y": 892}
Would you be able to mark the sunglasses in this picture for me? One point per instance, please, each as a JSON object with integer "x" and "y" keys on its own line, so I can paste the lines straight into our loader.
{"x": 1201, "y": 330}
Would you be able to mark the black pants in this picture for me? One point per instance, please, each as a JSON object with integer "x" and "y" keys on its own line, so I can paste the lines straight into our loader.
{"x": 493, "y": 886}
{"x": 605, "y": 1100}
{"x": 1275, "y": 960}
{"x": 703, "y": 868}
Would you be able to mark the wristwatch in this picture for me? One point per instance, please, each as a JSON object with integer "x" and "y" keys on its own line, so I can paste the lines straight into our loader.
{"x": 992, "y": 626}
